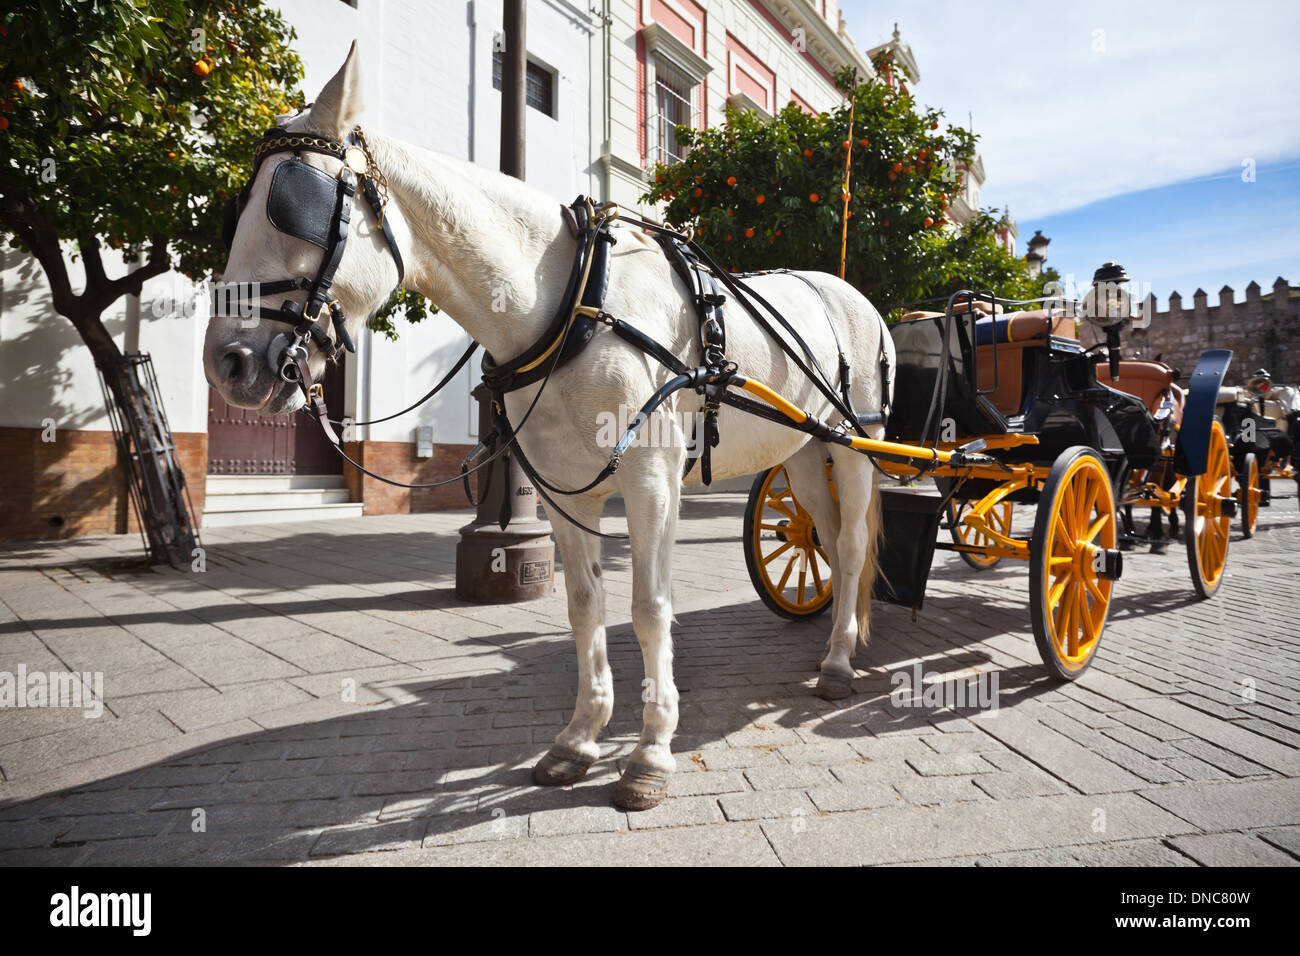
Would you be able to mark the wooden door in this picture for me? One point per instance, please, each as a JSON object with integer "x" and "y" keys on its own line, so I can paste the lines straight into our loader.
{"x": 241, "y": 442}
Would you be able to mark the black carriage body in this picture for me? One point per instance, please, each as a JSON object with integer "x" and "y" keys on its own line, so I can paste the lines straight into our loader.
{"x": 1061, "y": 402}
{"x": 1241, "y": 420}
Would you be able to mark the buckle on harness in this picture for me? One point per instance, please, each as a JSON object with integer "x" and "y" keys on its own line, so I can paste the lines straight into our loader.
{"x": 316, "y": 393}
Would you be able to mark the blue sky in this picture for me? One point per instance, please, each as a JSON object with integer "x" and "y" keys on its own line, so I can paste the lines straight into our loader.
{"x": 1119, "y": 129}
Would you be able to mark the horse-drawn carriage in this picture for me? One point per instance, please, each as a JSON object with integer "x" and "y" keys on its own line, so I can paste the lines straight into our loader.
{"x": 1262, "y": 421}
{"x": 1078, "y": 433}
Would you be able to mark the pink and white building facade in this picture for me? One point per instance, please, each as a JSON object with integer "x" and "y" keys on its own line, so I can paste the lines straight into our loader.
{"x": 659, "y": 64}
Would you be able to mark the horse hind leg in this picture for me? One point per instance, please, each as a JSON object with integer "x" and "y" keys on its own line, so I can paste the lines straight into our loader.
{"x": 855, "y": 571}
{"x": 575, "y": 747}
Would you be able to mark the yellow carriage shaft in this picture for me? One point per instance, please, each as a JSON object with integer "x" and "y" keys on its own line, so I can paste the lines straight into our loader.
{"x": 945, "y": 461}
{"x": 903, "y": 460}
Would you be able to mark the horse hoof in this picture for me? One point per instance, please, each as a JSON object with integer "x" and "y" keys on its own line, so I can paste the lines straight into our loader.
{"x": 640, "y": 788}
{"x": 834, "y": 687}
{"x": 559, "y": 767}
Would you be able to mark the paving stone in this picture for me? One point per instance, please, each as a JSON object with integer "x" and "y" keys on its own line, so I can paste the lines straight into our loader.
{"x": 707, "y": 783}
{"x": 1244, "y": 743}
{"x": 678, "y": 812}
{"x": 400, "y": 835}
{"x": 791, "y": 804}
{"x": 957, "y": 764}
{"x": 739, "y": 845}
{"x": 1232, "y": 849}
{"x": 1223, "y": 759}
{"x": 1284, "y": 838}
{"x": 1232, "y": 806}
{"x": 1062, "y": 757}
{"x": 898, "y": 835}
{"x": 932, "y": 791}
{"x": 1015, "y": 784}
{"x": 787, "y": 777}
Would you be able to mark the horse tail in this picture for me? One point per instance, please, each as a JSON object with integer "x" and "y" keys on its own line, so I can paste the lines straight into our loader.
{"x": 867, "y": 577}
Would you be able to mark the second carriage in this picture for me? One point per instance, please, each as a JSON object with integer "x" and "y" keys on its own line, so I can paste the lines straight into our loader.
{"x": 1083, "y": 437}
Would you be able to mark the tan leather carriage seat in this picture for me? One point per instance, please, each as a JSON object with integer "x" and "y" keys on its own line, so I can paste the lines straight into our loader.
{"x": 1149, "y": 381}
{"x": 1015, "y": 333}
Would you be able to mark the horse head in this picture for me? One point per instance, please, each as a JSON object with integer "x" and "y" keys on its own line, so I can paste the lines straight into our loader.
{"x": 314, "y": 249}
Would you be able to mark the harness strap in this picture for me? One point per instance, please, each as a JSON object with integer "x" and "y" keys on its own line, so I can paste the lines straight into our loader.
{"x": 574, "y": 322}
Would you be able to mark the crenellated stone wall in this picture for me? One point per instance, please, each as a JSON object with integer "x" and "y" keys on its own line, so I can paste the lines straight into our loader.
{"x": 1263, "y": 331}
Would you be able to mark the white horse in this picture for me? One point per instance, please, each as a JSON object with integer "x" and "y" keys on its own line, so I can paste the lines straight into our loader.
{"x": 474, "y": 240}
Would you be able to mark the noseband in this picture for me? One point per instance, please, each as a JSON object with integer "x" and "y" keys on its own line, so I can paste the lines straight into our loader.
{"x": 311, "y": 205}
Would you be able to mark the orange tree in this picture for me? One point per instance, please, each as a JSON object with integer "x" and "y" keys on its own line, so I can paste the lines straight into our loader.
{"x": 124, "y": 127}
{"x": 767, "y": 193}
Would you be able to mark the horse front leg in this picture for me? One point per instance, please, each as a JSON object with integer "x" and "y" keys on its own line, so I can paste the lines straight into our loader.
{"x": 652, "y": 495}
{"x": 575, "y": 747}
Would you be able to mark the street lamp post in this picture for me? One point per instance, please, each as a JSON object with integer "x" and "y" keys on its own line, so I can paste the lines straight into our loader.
{"x": 503, "y": 563}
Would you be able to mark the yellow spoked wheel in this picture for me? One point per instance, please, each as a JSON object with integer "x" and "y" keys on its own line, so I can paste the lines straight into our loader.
{"x": 1206, "y": 524}
{"x": 786, "y": 562}
{"x": 962, "y": 533}
{"x": 1073, "y": 562}
{"x": 1249, "y": 494}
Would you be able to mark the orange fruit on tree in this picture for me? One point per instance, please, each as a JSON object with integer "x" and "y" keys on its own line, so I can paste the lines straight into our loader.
{"x": 699, "y": 191}
{"x": 18, "y": 85}
{"x": 728, "y": 237}
{"x": 813, "y": 197}
{"x": 892, "y": 175}
{"x": 863, "y": 142}
{"x": 171, "y": 155}
{"x": 201, "y": 68}
{"x": 731, "y": 180}
{"x": 934, "y": 126}
{"x": 760, "y": 199}
{"x": 807, "y": 153}
{"x": 898, "y": 167}
{"x": 928, "y": 222}
{"x": 921, "y": 154}
{"x": 749, "y": 233}
{"x": 846, "y": 144}
{"x": 777, "y": 233}
{"x": 4, "y": 122}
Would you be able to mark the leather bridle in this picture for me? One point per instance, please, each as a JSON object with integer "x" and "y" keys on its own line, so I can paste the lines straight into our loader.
{"x": 309, "y": 204}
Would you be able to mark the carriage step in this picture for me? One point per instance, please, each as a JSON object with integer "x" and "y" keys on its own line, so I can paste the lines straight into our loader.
{"x": 240, "y": 484}
{"x": 273, "y": 499}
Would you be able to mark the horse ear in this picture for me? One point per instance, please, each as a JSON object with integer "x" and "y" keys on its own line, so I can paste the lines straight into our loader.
{"x": 338, "y": 107}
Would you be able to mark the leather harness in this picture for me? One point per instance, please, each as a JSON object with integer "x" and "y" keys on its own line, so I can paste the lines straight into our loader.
{"x": 309, "y": 204}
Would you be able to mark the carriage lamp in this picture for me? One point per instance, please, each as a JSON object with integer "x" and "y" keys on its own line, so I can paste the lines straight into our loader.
{"x": 1108, "y": 305}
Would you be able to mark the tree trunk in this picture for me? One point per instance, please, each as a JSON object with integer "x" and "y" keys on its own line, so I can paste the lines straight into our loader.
{"x": 139, "y": 418}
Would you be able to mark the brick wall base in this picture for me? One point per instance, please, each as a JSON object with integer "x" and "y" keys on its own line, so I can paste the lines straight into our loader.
{"x": 73, "y": 486}
{"x": 396, "y": 460}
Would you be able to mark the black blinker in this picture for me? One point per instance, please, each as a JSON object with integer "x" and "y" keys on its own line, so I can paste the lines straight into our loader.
{"x": 301, "y": 202}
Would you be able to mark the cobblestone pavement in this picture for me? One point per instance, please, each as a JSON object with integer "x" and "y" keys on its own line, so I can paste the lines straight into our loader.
{"x": 226, "y": 714}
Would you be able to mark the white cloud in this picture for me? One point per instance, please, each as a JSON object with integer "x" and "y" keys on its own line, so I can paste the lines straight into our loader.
{"x": 1078, "y": 102}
